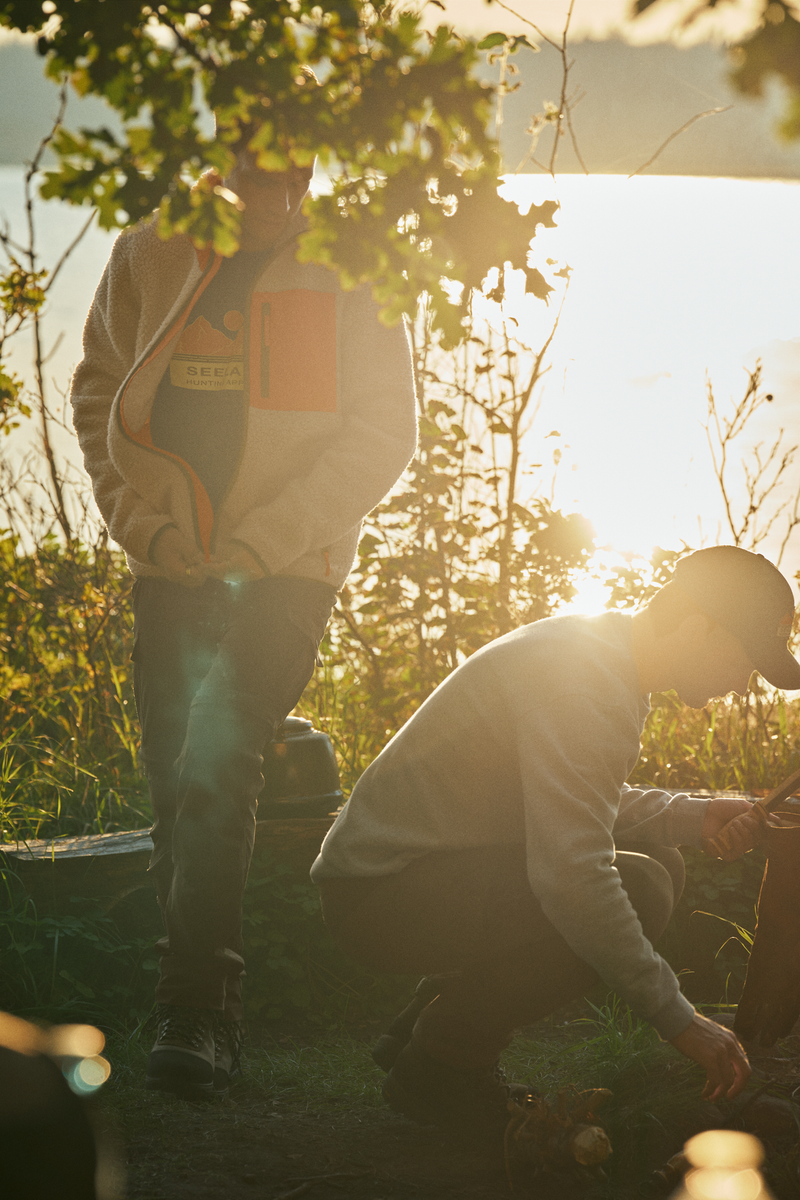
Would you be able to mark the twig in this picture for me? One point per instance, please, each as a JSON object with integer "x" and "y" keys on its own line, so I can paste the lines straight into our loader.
{"x": 334, "y": 1175}
{"x": 520, "y": 17}
{"x": 308, "y": 1183}
{"x": 298, "y": 1191}
{"x": 83, "y": 230}
{"x": 562, "y": 108}
{"x": 564, "y": 111}
{"x": 46, "y": 357}
{"x": 568, "y": 114}
{"x": 710, "y": 112}
{"x": 792, "y": 521}
{"x": 355, "y": 629}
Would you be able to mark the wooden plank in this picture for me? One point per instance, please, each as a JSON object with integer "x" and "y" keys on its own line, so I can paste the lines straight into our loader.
{"x": 108, "y": 866}
{"x": 136, "y": 841}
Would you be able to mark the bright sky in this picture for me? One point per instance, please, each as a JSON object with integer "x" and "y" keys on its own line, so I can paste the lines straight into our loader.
{"x": 675, "y": 279}
{"x": 590, "y": 18}
{"x": 599, "y": 19}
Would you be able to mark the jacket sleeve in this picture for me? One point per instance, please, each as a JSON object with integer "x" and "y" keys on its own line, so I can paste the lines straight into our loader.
{"x": 361, "y": 463}
{"x": 109, "y": 353}
{"x": 572, "y": 773}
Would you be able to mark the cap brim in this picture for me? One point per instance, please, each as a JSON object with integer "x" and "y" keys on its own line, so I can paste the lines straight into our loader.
{"x": 781, "y": 669}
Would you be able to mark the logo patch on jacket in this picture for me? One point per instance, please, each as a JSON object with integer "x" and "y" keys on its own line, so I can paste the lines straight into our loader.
{"x": 205, "y": 359}
{"x": 292, "y": 354}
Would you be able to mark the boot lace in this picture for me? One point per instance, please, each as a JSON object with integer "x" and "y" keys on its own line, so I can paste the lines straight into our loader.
{"x": 187, "y": 1025}
{"x": 228, "y": 1035}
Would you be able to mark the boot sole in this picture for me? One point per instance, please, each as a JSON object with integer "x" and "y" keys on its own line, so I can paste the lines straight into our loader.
{"x": 183, "y": 1075}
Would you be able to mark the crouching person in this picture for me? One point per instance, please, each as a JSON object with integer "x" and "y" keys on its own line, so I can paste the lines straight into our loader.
{"x": 495, "y": 845}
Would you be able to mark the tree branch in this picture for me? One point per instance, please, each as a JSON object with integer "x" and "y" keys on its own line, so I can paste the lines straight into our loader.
{"x": 710, "y": 112}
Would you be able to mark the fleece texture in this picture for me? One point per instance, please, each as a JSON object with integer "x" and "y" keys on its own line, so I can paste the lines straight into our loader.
{"x": 320, "y": 449}
{"x": 530, "y": 741}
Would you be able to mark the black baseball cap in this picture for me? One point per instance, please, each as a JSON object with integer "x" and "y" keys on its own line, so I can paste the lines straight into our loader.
{"x": 745, "y": 594}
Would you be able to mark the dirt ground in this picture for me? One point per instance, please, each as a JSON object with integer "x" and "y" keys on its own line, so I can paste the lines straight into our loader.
{"x": 249, "y": 1151}
{"x": 252, "y": 1147}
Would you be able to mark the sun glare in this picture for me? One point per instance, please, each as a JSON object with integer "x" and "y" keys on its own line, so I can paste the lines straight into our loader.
{"x": 589, "y": 599}
{"x": 674, "y": 281}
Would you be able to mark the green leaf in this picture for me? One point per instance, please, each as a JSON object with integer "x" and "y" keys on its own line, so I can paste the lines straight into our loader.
{"x": 401, "y": 116}
{"x": 493, "y": 39}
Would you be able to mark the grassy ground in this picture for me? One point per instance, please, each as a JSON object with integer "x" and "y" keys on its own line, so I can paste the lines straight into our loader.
{"x": 307, "y": 1119}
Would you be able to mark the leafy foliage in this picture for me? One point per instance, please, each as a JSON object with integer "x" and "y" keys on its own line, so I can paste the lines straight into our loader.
{"x": 69, "y": 733}
{"x": 75, "y": 965}
{"x": 294, "y": 969}
{"x": 467, "y": 546}
{"x": 21, "y": 296}
{"x": 397, "y": 115}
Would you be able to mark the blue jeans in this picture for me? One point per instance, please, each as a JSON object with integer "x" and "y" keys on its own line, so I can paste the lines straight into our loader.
{"x": 216, "y": 670}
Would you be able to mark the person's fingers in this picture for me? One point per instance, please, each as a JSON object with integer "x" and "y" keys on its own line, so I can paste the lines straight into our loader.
{"x": 741, "y": 1074}
{"x": 729, "y": 1076}
{"x": 744, "y": 834}
{"x": 739, "y": 837}
{"x": 191, "y": 575}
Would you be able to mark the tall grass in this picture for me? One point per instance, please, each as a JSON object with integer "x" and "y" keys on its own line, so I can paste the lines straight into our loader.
{"x": 747, "y": 743}
{"x": 68, "y": 739}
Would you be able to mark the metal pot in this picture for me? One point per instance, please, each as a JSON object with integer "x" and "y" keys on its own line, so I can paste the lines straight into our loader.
{"x": 301, "y": 778}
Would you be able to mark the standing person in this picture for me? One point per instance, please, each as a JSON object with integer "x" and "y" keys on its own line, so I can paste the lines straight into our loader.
{"x": 494, "y": 844}
{"x": 238, "y": 418}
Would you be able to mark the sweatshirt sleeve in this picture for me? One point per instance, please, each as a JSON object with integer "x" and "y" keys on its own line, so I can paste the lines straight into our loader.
{"x": 571, "y": 770}
{"x": 648, "y": 815}
{"x": 360, "y": 464}
{"x": 109, "y": 353}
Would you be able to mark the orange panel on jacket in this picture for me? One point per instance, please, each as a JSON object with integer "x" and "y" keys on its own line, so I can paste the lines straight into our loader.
{"x": 293, "y": 351}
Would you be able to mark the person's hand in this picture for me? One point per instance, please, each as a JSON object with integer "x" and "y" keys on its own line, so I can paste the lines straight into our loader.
{"x": 178, "y": 559}
{"x": 720, "y": 1055}
{"x": 241, "y": 566}
{"x": 742, "y": 837}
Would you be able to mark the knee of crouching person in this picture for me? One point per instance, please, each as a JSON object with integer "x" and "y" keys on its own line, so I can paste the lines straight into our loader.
{"x": 650, "y": 888}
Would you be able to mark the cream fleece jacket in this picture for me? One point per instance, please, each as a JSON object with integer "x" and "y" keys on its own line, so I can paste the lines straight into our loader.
{"x": 530, "y": 741}
{"x": 319, "y": 452}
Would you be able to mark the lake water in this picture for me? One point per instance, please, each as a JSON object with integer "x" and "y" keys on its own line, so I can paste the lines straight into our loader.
{"x": 673, "y": 279}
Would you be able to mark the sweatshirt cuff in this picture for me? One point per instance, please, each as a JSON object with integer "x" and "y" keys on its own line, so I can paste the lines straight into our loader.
{"x": 688, "y": 814}
{"x": 673, "y": 1018}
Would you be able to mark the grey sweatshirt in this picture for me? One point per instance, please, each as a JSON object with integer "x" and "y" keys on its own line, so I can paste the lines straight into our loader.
{"x": 531, "y": 740}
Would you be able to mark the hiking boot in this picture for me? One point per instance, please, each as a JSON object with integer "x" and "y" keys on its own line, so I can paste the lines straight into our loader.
{"x": 228, "y": 1039}
{"x": 433, "y": 1093}
{"x": 398, "y": 1035}
{"x": 182, "y": 1059}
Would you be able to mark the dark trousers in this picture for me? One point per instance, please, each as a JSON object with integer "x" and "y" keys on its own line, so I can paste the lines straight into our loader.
{"x": 472, "y": 913}
{"x": 216, "y": 670}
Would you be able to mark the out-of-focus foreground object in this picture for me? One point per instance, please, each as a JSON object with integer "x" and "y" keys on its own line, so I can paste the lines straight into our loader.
{"x": 47, "y": 1143}
{"x": 563, "y": 1136}
{"x": 770, "y": 1002}
{"x": 724, "y": 1166}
